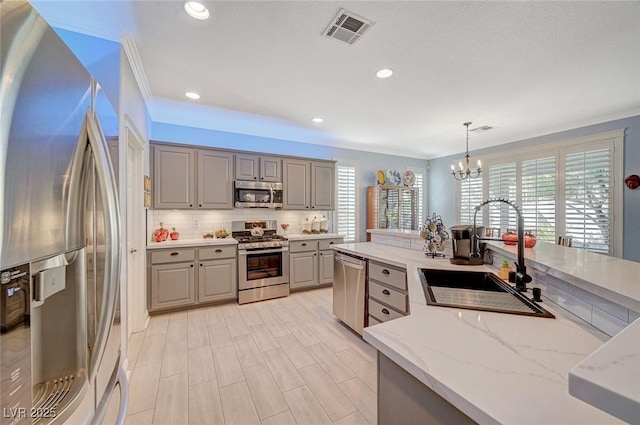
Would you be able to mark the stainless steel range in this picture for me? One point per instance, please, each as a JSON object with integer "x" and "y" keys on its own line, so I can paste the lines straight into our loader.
{"x": 263, "y": 261}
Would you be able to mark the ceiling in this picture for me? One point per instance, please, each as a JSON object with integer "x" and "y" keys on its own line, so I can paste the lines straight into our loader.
{"x": 264, "y": 68}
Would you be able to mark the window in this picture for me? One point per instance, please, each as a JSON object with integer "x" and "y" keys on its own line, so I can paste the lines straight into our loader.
{"x": 469, "y": 196}
{"x": 588, "y": 199}
{"x": 420, "y": 181}
{"x": 566, "y": 188}
{"x": 347, "y": 200}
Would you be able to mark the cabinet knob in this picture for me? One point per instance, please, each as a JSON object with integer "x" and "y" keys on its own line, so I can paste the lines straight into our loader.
{"x": 385, "y": 271}
{"x": 218, "y": 250}
{"x": 313, "y": 206}
{"x": 173, "y": 254}
{"x": 190, "y": 205}
{"x": 261, "y": 178}
{"x": 200, "y": 264}
{"x": 255, "y": 178}
{"x": 192, "y": 265}
{"x": 307, "y": 206}
{"x": 384, "y": 291}
{"x": 385, "y": 311}
{"x": 200, "y": 205}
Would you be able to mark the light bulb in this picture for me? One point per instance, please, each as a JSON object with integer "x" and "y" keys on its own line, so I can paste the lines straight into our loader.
{"x": 460, "y": 165}
{"x": 479, "y": 165}
{"x": 453, "y": 168}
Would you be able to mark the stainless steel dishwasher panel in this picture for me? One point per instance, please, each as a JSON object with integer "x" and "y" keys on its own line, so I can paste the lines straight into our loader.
{"x": 349, "y": 290}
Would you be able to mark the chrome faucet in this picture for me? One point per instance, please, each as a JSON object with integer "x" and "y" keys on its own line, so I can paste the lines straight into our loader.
{"x": 522, "y": 278}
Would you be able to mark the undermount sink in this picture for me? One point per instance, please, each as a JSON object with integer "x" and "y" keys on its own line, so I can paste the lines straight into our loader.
{"x": 476, "y": 291}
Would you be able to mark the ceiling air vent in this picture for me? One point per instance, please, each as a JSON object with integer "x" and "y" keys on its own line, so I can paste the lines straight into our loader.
{"x": 348, "y": 27}
{"x": 482, "y": 129}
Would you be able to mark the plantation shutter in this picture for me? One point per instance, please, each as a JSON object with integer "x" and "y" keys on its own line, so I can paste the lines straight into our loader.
{"x": 588, "y": 199}
{"x": 420, "y": 185}
{"x": 346, "y": 202}
{"x": 502, "y": 184}
{"x": 470, "y": 191}
{"x": 538, "y": 196}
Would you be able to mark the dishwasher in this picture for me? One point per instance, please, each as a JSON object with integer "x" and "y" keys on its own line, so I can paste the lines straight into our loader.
{"x": 349, "y": 290}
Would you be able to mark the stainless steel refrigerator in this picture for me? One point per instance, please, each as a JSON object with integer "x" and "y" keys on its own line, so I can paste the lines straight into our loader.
{"x": 59, "y": 233}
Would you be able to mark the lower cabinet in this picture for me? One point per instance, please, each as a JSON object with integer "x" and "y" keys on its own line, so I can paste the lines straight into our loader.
{"x": 311, "y": 262}
{"x": 387, "y": 299}
{"x": 173, "y": 281}
{"x": 217, "y": 280}
{"x": 172, "y": 285}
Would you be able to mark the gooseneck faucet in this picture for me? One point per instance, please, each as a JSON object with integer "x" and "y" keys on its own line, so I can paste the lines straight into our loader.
{"x": 522, "y": 278}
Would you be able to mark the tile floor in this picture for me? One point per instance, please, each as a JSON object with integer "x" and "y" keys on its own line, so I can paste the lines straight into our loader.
{"x": 282, "y": 361}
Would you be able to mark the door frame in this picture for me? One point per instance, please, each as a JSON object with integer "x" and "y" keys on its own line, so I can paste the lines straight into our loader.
{"x": 137, "y": 314}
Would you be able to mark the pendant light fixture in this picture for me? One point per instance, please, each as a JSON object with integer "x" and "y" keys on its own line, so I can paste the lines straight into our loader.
{"x": 466, "y": 173}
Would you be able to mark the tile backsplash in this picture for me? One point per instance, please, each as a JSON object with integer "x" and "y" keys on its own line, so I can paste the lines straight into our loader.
{"x": 192, "y": 224}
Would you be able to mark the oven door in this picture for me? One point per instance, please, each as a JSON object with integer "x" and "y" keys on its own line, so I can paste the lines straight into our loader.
{"x": 263, "y": 267}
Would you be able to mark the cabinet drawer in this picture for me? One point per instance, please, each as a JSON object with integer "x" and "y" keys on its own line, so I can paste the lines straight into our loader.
{"x": 395, "y": 299}
{"x": 213, "y": 253}
{"x": 388, "y": 275}
{"x": 326, "y": 243}
{"x": 373, "y": 321}
{"x": 172, "y": 256}
{"x": 302, "y": 246}
{"x": 382, "y": 312}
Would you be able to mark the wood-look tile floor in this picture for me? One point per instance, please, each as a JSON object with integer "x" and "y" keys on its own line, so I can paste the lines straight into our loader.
{"x": 282, "y": 361}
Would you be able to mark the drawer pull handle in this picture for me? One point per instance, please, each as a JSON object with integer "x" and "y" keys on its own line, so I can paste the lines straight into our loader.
{"x": 385, "y": 311}
{"x": 385, "y": 271}
{"x": 173, "y": 254}
{"x": 304, "y": 244}
{"x": 331, "y": 243}
{"x": 386, "y": 292}
{"x": 218, "y": 250}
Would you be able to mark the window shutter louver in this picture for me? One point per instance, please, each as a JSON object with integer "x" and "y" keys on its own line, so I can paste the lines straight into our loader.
{"x": 470, "y": 195}
{"x": 539, "y": 197}
{"x": 588, "y": 199}
{"x": 502, "y": 184}
{"x": 346, "y": 202}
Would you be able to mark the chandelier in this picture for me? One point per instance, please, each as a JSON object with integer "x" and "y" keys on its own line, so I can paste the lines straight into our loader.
{"x": 464, "y": 173}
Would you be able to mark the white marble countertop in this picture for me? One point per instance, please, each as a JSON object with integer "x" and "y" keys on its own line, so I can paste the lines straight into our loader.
{"x": 410, "y": 234}
{"x": 611, "y": 278}
{"x": 301, "y": 236}
{"x": 191, "y": 243}
{"x": 496, "y": 368}
{"x": 610, "y": 377}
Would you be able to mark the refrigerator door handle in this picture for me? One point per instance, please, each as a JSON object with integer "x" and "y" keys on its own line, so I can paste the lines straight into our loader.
{"x": 124, "y": 396}
{"x": 106, "y": 181}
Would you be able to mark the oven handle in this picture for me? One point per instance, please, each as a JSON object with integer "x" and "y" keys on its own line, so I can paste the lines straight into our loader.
{"x": 262, "y": 251}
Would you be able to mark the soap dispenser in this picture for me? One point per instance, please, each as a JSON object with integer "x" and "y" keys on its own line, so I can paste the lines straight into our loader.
{"x": 503, "y": 272}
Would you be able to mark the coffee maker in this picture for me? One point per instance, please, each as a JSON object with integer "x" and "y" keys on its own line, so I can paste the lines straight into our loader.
{"x": 462, "y": 244}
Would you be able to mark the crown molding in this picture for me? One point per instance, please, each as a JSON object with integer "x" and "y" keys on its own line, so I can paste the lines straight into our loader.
{"x": 133, "y": 55}
{"x": 80, "y": 26}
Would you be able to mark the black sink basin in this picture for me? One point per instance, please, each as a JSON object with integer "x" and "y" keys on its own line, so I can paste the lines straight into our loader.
{"x": 476, "y": 291}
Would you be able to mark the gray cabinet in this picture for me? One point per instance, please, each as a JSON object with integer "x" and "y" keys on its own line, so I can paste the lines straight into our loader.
{"x": 308, "y": 185}
{"x": 311, "y": 262}
{"x": 187, "y": 178}
{"x": 172, "y": 285}
{"x": 256, "y": 167}
{"x": 173, "y": 177}
{"x": 322, "y": 185}
{"x": 217, "y": 280}
{"x": 303, "y": 269}
{"x": 215, "y": 179}
{"x": 388, "y": 297}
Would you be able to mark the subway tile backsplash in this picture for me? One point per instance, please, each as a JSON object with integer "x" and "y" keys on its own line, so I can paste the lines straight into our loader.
{"x": 192, "y": 224}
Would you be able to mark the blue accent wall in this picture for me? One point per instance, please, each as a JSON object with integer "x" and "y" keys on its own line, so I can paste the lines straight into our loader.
{"x": 369, "y": 162}
{"x": 442, "y": 186}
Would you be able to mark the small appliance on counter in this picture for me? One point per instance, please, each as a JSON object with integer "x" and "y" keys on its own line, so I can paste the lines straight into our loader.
{"x": 461, "y": 243}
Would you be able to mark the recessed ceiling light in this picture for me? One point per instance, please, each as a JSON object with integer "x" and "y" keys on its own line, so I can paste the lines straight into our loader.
{"x": 192, "y": 95}
{"x": 196, "y": 10}
{"x": 317, "y": 120}
{"x": 384, "y": 73}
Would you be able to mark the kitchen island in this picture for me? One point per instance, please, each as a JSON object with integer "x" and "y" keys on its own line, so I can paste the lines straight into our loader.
{"x": 493, "y": 368}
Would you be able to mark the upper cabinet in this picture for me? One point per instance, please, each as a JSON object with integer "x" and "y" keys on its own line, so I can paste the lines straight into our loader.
{"x": 187, "y": 178}
{"x": 215, "y": 179}
{"x": 258, "y": 168}
{"x": 174, "y": 177}
{"x": 308, "y": 185}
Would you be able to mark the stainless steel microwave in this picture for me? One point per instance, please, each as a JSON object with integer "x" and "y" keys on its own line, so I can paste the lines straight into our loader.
{"x": 257, "y": 194}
